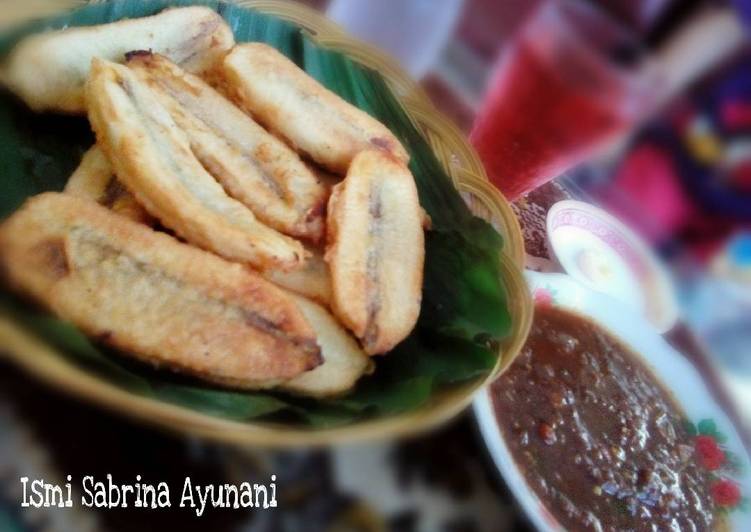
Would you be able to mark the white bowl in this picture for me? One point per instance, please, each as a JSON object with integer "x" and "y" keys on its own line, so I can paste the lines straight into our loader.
{"x": 672, "y": 369}
{"x": 601, "y": 252}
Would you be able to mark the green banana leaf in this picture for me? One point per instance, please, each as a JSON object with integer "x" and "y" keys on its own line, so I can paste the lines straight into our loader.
{"x": 464, "y": 301}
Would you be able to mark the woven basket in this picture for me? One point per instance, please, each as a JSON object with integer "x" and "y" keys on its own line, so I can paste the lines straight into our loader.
{"x": 468, "y": 175}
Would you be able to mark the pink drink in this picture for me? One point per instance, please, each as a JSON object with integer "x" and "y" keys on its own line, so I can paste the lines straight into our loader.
{"x": 555, "y": 97}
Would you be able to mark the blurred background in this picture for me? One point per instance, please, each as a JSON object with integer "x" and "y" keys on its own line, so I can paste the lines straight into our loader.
{"x": 642, "y": 107}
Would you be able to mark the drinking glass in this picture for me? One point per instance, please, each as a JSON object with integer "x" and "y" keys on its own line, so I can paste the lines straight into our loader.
{"x": 567, "y": 83}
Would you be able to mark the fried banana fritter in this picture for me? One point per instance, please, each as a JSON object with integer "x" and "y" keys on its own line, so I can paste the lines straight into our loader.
{"x": 94, "y": 179}
{"x": 254, "y": 167}
{"x": 48, "y": 70}
{"x": 149, "y": 295}
{"x": 376, "y": 250}
{"x": 312, "y": 280}
{"x": 311, "y": 118}
{"x": 344, "y": 361}
{"x": 152, "y": 157}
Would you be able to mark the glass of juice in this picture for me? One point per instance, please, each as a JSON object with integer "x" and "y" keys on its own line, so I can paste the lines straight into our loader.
{"x": 571, "y": 80}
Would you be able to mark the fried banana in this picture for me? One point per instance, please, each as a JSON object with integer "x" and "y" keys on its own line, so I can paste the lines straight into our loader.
{"x": 344, "y": 361}
{"x": 153, "y": 297}
{"x": 152, "y": 157}
{"x": 312, "y": 280}
{"x": 376, "y": 251}
{"x": 311, "y": 118}
{"x": 48, "y": 70}
{"x": 254, "y": 167}
{"x": 94, "y": 179}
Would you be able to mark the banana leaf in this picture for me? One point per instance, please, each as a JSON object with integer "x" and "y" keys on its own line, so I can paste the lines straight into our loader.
{"x": 464, "y": 301}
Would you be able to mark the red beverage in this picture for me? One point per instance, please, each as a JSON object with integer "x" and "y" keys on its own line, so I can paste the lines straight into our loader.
{"x": 553, "y": 100}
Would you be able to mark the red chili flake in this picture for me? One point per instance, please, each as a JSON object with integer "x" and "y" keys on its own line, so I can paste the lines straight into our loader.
{"x": 547, "y": 433}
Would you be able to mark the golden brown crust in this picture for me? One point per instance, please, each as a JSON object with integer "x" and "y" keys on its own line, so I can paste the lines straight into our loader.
{"x": 253, "y": 166}
{"x": 149, "y": 295}
{"x": 376, "y": 251}
{"x": 95, "y": 179}
{"x": 153, "y": 159}
{"x": 312, "y": 280}
{"x": 48, "y": 70}
{"x": 344, "y": 361}
{"x": 311, "y": 118}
